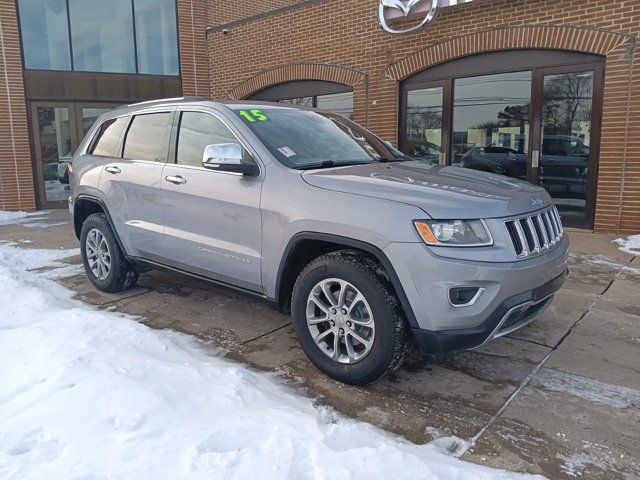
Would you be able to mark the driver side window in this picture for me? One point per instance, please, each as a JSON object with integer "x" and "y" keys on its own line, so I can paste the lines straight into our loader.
{"x": 197, "y": 130}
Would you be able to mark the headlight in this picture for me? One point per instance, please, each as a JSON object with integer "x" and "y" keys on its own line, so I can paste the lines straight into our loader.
{"x": 454, "y": 233}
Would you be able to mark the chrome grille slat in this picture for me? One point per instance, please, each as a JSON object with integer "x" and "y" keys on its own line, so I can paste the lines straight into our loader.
{"x": 533, "y": 234}
{"x": 543, "y": 232}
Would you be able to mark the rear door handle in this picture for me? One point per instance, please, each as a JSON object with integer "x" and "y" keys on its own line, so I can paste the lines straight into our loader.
{"x": 177, "y": 179}
{"x": 112, "y": 169}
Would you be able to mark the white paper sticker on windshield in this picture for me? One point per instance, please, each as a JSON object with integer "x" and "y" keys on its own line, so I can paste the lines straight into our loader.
{"x": 286, "y": 151}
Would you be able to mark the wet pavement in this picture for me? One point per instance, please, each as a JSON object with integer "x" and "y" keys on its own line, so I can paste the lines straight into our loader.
{"x": 560, "y": 397}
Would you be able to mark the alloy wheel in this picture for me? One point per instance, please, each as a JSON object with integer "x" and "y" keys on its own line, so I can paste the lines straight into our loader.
{"x": 98, "y": 254}
{"x": 340, "y": 320}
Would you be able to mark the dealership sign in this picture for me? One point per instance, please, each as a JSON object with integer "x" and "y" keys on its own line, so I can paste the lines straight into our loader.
{"x": 422, "y": 10}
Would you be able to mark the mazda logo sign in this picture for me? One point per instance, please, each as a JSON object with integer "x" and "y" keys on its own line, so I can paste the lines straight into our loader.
{"x": 422, "y": 10}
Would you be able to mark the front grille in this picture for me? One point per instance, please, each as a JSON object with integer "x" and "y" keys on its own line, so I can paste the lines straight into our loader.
{"x": 534, "y": 234}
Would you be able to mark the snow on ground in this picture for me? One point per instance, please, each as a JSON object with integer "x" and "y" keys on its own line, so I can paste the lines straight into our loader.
{"x": 11, "y": 217}
{"x": 630, "y": 244}
{"x": 87, "y": 393}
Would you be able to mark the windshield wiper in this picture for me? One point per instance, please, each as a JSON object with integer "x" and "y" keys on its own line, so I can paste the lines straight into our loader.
{"x": 331, "y": 163}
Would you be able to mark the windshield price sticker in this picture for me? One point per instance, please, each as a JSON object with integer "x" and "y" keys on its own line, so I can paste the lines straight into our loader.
{"x": 253, "y": 115}
{"x": 286, "y": 151}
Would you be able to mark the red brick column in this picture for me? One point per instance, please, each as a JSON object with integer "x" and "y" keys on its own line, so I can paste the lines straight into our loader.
{"x": 194, "y": 63}
{"x": 16, "y": 172}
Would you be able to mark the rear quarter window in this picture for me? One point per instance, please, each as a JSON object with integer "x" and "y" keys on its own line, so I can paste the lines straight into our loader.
{"x": 106, "y": 141}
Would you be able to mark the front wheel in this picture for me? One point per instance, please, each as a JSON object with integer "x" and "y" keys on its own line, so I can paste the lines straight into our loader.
{"x": 105, "y": 264}
{"x": 347, "y": 318}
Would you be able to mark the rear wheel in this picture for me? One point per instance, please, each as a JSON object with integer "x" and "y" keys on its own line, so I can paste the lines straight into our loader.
{"x": 347, "y": 319}
{"x": 104, "y": 262}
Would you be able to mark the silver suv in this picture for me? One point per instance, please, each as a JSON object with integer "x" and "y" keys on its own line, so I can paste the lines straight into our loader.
{"x": 371, "y": 251}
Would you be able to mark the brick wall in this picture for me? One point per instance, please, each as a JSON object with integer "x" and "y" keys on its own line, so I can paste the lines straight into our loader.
{"x": 16, "y": 177}
{"x": 194, "y": 61}
{"x": 225, "y": 12}
{"x": 346, "y": 34}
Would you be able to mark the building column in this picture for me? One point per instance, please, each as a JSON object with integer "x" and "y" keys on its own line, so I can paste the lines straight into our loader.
{"x": 16, "y": 170}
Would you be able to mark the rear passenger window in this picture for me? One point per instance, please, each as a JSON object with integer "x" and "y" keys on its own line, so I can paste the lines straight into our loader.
{"x": 146, "y": 138}
{"x": 106, "y": 140}
{"x": 197, "y": 130}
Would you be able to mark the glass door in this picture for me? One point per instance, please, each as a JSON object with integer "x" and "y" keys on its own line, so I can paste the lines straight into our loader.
{"x": 491, "y": 117}
{"x": 54, "y": 141}
{"x": 539, "y": 124}
{"x": 564, "y": 159}
{"x": 57, "y": 130}
{"x": 422, "y": 127}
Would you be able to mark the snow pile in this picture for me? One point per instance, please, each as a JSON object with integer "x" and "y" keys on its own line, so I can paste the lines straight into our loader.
{"x": 629, "y": 245}
{"x": 11, "y": 217}
{"x": 87, "y": 393}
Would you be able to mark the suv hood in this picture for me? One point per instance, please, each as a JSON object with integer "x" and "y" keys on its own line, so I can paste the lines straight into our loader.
{"x": 442, "y": 192}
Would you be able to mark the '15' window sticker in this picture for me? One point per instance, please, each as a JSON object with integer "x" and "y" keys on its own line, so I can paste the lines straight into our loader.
{"x": 254, "y": 115}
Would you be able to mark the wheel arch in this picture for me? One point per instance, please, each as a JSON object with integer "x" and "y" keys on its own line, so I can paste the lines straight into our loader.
{"x": 305, "y": 246}
{"x": 86, "y": 205}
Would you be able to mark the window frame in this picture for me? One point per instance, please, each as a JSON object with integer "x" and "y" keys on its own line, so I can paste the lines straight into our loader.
{"x": 175, "y": 133}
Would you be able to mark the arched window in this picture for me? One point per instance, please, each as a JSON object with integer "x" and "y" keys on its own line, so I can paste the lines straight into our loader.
{"x": 527, "y": 114}
{"x": 330, "y": 96}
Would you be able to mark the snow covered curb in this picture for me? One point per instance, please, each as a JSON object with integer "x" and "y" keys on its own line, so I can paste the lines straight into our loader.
{"x": 87, "y": 392}
{"x": 629, "y": 245}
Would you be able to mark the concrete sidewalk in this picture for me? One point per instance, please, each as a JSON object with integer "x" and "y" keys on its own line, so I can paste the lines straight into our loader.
{"x": 560, "y": 397}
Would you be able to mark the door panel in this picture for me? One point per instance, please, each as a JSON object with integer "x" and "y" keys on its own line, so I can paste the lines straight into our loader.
{"x": 132, "y": 186}
{"x": 212, "y": 224}
{"x": 212, "y": 219}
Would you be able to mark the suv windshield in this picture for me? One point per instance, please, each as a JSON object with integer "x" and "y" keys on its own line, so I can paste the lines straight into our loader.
{"x": 306, "y": 139}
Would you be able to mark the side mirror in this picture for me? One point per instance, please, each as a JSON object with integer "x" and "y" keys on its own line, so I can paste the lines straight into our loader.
{"x": 227, "y": 157}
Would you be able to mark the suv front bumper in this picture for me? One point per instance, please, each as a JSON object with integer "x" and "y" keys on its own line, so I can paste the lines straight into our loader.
{"x": 512, "y": 314}
{"x": 512, "y": 294}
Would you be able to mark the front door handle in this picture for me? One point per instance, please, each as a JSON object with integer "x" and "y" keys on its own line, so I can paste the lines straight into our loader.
{"x": 177, "y": 179}
{"x": 112, "y": 169}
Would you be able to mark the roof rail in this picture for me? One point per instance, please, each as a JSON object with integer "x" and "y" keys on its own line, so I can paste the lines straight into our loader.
{"x": 164, "y": 100}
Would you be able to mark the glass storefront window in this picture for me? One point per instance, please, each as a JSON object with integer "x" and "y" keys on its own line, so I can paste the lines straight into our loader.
{"x": 90, "y": 115}
{"x": 102, "y": 36}
{"x": 98, "y": 35}
{"x": 45, "y": 34}
{"x": 340, "y": 103}
{"x": 156, "y": 34}
{"x": 304, "y": 101}
{"x": 491, "y": 123}
{"x": 424, "y": 124}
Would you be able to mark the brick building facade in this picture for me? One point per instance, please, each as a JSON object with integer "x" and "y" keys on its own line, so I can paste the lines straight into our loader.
{"x": 343, "y": 42}
{"x": 243, "y": 49}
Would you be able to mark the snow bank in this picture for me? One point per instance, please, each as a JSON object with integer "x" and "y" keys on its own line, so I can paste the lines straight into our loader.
{"x": 629, "y": 245}
{"x": 9, "y": 217}
{"x": 87, "y": 393}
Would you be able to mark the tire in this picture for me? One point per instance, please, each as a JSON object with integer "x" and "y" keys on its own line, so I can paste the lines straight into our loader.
{"x": 120, "y": 275}
{"x": 388, "y": 340}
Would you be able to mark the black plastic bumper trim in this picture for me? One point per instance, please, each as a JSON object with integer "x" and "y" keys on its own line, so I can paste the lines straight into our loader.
{"x": 443, "y": 341}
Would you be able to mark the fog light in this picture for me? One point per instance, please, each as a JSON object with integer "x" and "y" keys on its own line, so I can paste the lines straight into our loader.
{"x": 464, "y": 296}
